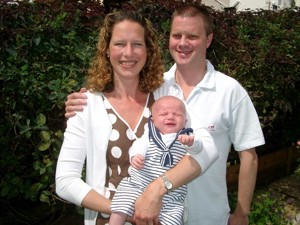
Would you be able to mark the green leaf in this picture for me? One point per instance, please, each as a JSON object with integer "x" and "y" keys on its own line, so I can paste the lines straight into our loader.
{"x": 45, "y": 135}
{"x": 41, "y": 119}
{"x": 12, "y": 52}
{"x": 4, "y": 191}
{"x": 44, "y": 198}
{"x": 37, "y": 41}
{"x": 44, "y": 146}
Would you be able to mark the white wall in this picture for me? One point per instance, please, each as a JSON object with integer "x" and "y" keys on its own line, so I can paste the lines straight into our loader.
{"x": 242, "y": 5}
{"x": 264, "y": 4}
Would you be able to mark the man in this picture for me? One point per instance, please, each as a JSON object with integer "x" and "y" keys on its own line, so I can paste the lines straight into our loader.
{"x": 223, "y": 106}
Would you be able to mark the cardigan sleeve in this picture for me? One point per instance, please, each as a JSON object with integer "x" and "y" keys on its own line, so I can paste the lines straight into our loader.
{"x": 85, "y": 144}
{"x": 69, "y": 183}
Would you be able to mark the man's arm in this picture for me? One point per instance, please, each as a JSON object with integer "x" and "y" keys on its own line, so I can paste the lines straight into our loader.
{"x": 246, "y": 186}
{"x": 75, "y": 103}
{"x": 148, "y": 205}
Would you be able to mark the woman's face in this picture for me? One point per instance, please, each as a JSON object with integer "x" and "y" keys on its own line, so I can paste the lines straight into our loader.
{"x": 127, "y": 50}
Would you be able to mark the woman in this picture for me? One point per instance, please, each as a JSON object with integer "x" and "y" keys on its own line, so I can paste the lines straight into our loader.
{"x": 126, "y": 69}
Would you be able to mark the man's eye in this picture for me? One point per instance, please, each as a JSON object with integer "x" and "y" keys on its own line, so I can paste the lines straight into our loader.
{"x": 193, "y": 37}
{"x": 176, "y": 36}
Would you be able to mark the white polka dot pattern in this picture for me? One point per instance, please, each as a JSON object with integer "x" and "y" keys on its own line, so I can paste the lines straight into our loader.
{"x": 112, "y": 117}
{"x": 109, "y": 171}
{"x": 116, "y": 152}
{"x": 114, "y": 135}
{"x": 130, "y": 134}
{"x": 111, "y": 186}
{"x": 119, "y": 169}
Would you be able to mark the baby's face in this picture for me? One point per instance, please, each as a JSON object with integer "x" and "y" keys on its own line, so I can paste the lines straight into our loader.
{"x": 169, "y": 115}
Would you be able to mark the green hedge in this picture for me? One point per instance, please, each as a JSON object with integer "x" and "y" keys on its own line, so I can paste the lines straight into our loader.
{"x": 46, "y": 47}
{"x": 261, "y": 49}
{"x": 45, "y": 50}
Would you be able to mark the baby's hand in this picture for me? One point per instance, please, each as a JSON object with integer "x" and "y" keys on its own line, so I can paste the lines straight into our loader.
{"x": 137, "y": 161}
{"x": 186, "y": 139}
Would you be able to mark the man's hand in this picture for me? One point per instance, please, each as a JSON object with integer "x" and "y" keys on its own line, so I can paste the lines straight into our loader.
{"x": 238, "y": 219}
{"x": 75, "y": 103}
{"x": 149, "y": 204}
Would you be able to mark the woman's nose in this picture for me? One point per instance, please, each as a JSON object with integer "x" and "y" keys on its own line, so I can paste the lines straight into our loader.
{"x": 128, "y": 50}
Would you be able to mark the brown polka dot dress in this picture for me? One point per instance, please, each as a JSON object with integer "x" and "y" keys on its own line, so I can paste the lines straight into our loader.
{"x": 121, "y": 139}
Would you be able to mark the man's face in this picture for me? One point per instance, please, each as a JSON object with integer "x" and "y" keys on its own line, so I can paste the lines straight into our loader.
{"x": 188, "y": 40}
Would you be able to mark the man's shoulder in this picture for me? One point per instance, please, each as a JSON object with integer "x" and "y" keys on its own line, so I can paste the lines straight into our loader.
{"x": 218, "y": 74}
{"x": 225, "y": 79}
{"x": 170, "y": 73}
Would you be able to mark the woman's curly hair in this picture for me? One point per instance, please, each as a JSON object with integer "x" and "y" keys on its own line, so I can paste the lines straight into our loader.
{"x": 100, "y": 74}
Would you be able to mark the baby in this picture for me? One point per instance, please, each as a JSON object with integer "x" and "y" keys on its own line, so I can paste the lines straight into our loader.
{"x": 161, "y": 147}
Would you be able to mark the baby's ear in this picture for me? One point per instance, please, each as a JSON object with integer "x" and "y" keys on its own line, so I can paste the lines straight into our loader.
{"x": 187, "y": 121}
{"x": 150, "y": 118}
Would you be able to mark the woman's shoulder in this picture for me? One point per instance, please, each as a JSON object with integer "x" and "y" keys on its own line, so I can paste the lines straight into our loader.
{"x": 94, "y": 102}
{"x": 94, "y": 96}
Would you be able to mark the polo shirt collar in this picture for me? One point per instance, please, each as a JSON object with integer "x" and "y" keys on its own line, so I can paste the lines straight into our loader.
{"x": 208, "y": 81}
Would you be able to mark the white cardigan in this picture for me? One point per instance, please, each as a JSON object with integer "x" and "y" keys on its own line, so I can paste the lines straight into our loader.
{"x": 85, "y": 138}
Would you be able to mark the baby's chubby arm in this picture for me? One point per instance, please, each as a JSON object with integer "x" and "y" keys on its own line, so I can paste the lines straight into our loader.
{"x": 138, "y": 151}
{"x": 192, "y": 143}
{"x": 137, "y": 161}
{"x": 185, "y": 139}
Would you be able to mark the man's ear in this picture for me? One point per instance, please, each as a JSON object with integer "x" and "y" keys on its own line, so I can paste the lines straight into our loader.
{"x": 209, "y": 39}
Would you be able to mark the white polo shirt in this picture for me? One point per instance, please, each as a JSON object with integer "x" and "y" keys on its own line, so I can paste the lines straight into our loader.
{"x": 220, "y": 104}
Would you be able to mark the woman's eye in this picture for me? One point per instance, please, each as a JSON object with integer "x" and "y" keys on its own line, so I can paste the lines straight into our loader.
{"x": 138, "y": 44}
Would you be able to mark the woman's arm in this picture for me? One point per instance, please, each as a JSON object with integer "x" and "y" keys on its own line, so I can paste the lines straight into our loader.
{"x": 69, "y": 182}
{"x": 68, "y": 179}
{"x": 94, "y": 201}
